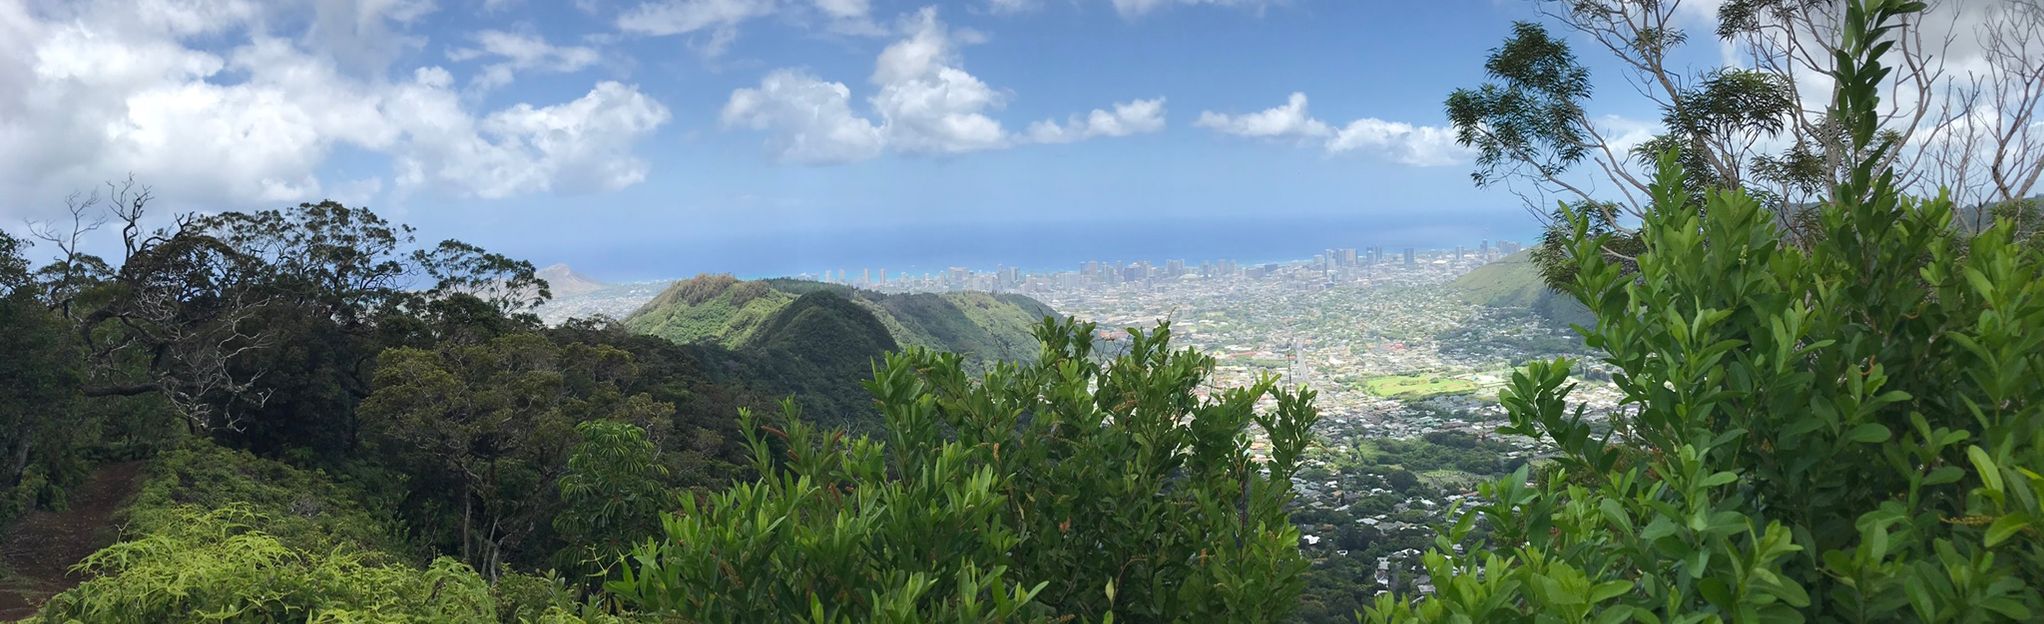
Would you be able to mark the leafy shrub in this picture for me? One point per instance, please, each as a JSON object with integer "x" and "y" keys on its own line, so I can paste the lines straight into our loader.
{"x": 1846, "y": 432}
{"x": 302, "y": 509}
{"x": 1064, "y": 488}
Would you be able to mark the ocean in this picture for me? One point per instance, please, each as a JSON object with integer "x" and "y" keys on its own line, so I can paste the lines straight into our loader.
{"x": 1034, "y": 246}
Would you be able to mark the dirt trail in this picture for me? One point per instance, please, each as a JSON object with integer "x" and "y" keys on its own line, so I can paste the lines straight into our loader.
{"x": 36, "y": 553}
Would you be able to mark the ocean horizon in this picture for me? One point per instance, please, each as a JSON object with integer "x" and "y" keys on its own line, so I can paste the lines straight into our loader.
{"x": 1033, "y": 247}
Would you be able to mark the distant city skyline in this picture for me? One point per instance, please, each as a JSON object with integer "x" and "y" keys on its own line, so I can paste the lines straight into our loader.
{"x": 883, "y": 263}
{"x": 1041, "y": 246}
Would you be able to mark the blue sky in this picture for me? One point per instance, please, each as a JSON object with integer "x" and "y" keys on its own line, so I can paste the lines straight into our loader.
{"x": 651, "y": 138}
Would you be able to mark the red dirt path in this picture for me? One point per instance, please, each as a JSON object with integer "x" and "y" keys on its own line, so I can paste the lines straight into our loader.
{"x": 36, "y": 553}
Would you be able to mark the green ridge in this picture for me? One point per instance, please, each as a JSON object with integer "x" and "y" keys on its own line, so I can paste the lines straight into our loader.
{"x": 719, "y": 309}
{"x": 1514, "y": 282}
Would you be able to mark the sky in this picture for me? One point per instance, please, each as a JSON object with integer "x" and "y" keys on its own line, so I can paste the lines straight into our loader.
{"x": 635, "y": 139}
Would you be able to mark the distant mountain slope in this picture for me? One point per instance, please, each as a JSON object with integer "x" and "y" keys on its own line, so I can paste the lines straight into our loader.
{"x": 578, "y": 296}
{"x": 754, "y": 314}
{"x": 709, "y": 308}
{"x": 1514, "y": 282}
{"x": 565, "y": 282}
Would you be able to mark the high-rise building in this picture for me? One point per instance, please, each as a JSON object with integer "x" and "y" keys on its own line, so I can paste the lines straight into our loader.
{"x": 1409, "y": 261}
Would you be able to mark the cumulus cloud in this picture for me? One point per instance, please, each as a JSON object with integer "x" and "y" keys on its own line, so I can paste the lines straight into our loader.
{"x": 1127, "y": 118}
{"x": 1404, "y": 143}
{"x": 924, "y": 102}
{"x": 812, "y": 119}
{"x": 927, "y": 102}
{"x": 1400, "y": 142}
{"x": 99, "y": 93}
{"x": 1287, "y": 121}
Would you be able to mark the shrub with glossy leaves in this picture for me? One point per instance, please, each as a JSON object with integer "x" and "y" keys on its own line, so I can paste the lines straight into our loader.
{"x": 1076, "y": 488}
{"x": 1845, "y": 432}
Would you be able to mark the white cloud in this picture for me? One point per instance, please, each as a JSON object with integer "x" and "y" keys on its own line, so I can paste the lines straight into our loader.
{"x": 1127, "y": 118}
{"x": 1419, "y": 146}
{"x": 676, "y": 17}
{"x": 1400, "y": 142}
{"x": 1622, "y": 134}
{"x": 845, "y": 9}
{"x": 1134, "y": 8}
{"x": 925, "y": 102}
{"x": 1009, "y": 7}
{"x": 720, "y": 19}
{"x": 98, "y": 93}
{"x": 518, "y": 53}
{"x": 1288, "y": 121}
{"x": 362, "y": 36}
{"x": 813, "y": 119}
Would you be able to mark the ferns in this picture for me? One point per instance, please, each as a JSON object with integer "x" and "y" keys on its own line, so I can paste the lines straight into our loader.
{"x": 219, "y": 565}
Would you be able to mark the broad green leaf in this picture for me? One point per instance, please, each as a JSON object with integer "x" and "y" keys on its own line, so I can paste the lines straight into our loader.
{"x": 1984, "y": 466}
{"x": 1868, "y": 433}
{"x": 2006, "y": 527}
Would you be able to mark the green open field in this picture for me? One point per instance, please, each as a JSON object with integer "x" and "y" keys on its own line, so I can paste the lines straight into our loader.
{"x": 1416, "y": 386}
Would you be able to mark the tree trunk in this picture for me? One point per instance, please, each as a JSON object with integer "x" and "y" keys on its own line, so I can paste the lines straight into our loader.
{"x": 17, "y": 457}
{"x": 467, "y": 506}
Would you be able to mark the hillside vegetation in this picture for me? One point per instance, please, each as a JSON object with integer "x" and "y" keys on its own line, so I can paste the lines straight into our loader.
{"x": 1514, "y": 282}
{"x": 722, "y": 310}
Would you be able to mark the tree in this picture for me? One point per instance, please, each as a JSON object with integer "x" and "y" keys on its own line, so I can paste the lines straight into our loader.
{"x": 1402, "y": 481}
{"x": 611, "y": 496}
{"x": 1848, "y": 431}
{"x": 496, "y": 421}
{"x": 1760, "y": 123}
{"x": 222, "y": 313}
{"x": 1073, "y": 487}
{"x": 38, "y": 402}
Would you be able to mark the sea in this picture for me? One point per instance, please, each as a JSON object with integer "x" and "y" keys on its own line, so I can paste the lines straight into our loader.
{"x": 1030, "y": 246}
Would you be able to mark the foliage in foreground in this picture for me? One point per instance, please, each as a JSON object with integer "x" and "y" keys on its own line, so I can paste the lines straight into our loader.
{"x": 222, "y": 536}
{"x": 1067, "y": 487}
{"x": 1849, "y": 432}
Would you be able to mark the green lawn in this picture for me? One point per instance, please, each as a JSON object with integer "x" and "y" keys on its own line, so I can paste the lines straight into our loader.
{"x": 1416, "y": 386}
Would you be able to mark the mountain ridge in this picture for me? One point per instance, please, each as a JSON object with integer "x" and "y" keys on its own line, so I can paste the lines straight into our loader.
{"x": 723, "y": 310}
{"x": 1514, "y": 282}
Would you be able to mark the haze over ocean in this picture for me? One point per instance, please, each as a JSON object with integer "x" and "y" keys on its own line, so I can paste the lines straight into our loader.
{"x": 1032, "y": 246}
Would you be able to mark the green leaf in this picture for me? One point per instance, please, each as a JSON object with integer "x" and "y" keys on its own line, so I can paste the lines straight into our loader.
{"x": 1868, "y": 433}
{"x": 1919, "y": 598}
{"x": 2006, "y": 527}
{"x": 1608, "y": 590}
{"x": 1719, "y": 479}
{"x": 1943, "y": 474}
{"x": 1984, "y": 466}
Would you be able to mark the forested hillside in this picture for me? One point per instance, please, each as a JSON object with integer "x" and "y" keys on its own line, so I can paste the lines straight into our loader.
{"x": 1514, "y": 281}
{"x": 719, "y": 309}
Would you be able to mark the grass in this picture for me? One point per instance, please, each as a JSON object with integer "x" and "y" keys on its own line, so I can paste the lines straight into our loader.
{"x": 1450, "y": 478}
{"x": 1416, "y": 386}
